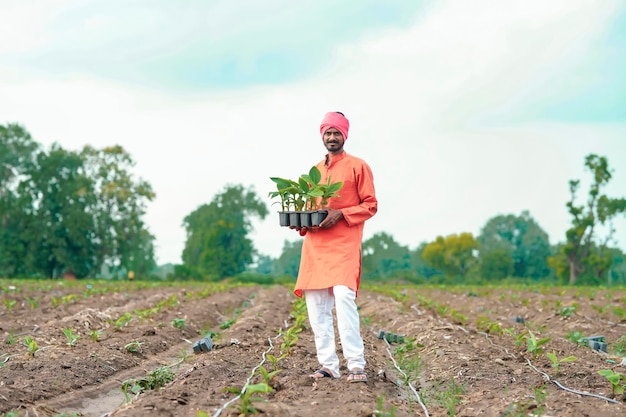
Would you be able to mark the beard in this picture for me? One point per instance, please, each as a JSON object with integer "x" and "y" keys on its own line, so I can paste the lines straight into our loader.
{"x": 333, "y": 145}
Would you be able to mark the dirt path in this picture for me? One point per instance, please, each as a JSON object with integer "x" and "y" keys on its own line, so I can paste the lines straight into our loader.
{"x": 466, "y": 353}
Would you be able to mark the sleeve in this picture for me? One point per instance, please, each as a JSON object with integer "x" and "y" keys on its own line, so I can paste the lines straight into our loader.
{"x": 368, "y": 205}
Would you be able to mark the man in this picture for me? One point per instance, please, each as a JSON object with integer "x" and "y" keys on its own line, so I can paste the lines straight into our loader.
{"x": 330, "y": 268}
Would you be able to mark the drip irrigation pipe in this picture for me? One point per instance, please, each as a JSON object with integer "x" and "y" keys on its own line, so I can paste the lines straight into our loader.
{"x": 243, "y": 390}
{"x": 589, "y": 394}
{"x": 419, "y": 400}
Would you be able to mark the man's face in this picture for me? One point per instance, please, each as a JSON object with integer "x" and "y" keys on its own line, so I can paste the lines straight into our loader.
{"x": 333, "y": 140}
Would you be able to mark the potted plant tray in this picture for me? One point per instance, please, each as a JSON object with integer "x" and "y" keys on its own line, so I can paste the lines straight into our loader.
{"x": 305, "y": 218}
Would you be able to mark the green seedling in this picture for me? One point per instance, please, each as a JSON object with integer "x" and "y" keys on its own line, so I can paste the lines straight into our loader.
{"x": 442, "y": 310}
{"x": 290, "y": 337}
{"x": 31, "y": 345}
{"x": 533, "y": 408}
{"x": 534, "y": 344}
{"x": 96, "y": 335}
{"x": 409, "y": 360}
{"x": 620, "y": 312}
{"x": 155, "y": 379}
{"x": 10, "y": 340}
{"x": 69, "y": 298}
{"x": 133, "y": 347}
{"x": 71, "y": 337}
{"x": 616, "y": 379}
{"x": 485, "y": 325}
{"x": 9, "y": 304}
{"x": 56, "y": 301}
{"x": 451, "y": 397}
{"x": 33, "y": 302}
{"x": 130, "y": 386}
{"x": 556, "y": 362}
{"x": 567, "y": 311}
{"x": 457, "y": 317}
{"x": 619, "y": 346}
{"x": 179, "y": 323}
{"x": 381, "y": 412}
{"x": 274, "y": 360}
{"x": 247, "y": 398}
{"x": 576, "y": 337}
{"x": 123, "y": 320}
{"x": 267, "y": 376}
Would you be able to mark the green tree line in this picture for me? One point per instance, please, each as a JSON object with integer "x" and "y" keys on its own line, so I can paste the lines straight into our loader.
{"x": 70, "y": 213}
{"x": 82, "y": 213}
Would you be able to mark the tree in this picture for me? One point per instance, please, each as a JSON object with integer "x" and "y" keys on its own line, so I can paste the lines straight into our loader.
{"x": 61, "y": 232}
{"x": 65, "y": 211}
{"x": 524, "y": 241}
{"x": 124, "y": 242}
{"x": 383, "y": 257}
{"x": 288, "y": 263}
{"x": 454, "y": 254}
{"x": 496, "y": 264}
{"x": 18, "y": 152}
{"x": 421, "y": 267}
{"x": 588, "y": 221}
{"x": 217, "y": 233}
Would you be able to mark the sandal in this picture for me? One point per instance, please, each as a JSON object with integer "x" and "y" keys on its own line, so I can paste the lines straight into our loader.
{"x": 319, "y": 374}
{"x": 357, "y": 376}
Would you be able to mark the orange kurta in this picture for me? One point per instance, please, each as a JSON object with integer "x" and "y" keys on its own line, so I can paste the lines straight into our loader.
{"x": 333, "y": 256}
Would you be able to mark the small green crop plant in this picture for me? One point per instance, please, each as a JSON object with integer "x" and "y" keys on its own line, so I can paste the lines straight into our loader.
{"x": 534, "y": 344}
{"x": 290, "y": 337}
{"x": 534, "y": 407}
{"x": 450, "y": 397}
{"x": 179, "y": 323}
{"x": 380, "y": 409}
{"x": 9, "y": 304}
{"x": 485, "y": 325}
{"x": 31, "y": 345}
{"x": 155, "y": 379}
{"x": 72, "y": 338}
{"x": 96, "y": 335}
{"x": 133, "y": 347}
{"x": 619, "y": 346}
{"x": 616, "y": 379}
{"x": 33, "y": 302}
{"x": 568, "y": 311}
{"x": 247, "y": 397}
{"x": 123, "y": 320}
{"x": 408, "y": 359}
{"x": 458, "y": 317}
{"x": 577, "y": 337}
{"x": 267, "y": 376}
{"x": 274, "y": 360}
{"x": 556, "y": 362}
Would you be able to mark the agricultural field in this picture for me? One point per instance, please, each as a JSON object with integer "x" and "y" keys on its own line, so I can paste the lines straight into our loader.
{"x": 97, "y": 348}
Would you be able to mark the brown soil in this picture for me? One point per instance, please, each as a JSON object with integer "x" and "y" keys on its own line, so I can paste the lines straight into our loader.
{"x": 453, "y": 367}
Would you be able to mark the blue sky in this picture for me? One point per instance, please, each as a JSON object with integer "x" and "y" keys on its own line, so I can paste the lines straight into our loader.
{"x": 464, "y": 110}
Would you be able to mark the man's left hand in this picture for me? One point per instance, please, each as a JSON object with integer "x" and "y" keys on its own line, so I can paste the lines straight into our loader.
{"x": 333, "y": 217}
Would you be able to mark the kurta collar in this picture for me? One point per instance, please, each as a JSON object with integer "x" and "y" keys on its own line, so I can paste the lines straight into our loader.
{"x": 334, "y": 159}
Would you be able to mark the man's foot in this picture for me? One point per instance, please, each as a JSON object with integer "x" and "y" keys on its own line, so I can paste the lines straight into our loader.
{"x": 357, "y": 375}
{"x": 322, "y": 373}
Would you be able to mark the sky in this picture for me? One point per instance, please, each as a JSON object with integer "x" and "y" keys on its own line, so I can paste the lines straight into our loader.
{"x": 464, "y": 110}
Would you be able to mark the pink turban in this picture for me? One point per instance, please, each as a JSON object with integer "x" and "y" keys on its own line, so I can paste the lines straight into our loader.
{"x": 336, "y": 120}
